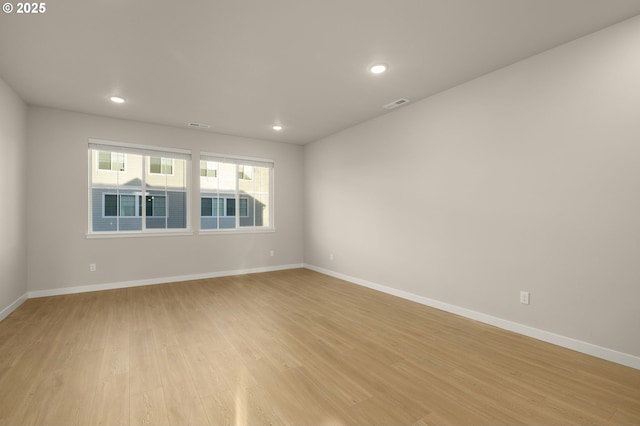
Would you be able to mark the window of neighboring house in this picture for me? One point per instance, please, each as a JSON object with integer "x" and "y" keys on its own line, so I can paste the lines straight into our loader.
{"x": 244, "y": 207}
{"x": 208, "y": 169}
{"x": 161, "y": 165}
{"x": 157, "y": 206}
{"x": 223, "y": 207}
{"x": 245, "y": 172}
{"x": 149, "y": 195}
{"x": 112, "y": 161}
{"x": 239, "y": 195}
{"x": 121, "y": 205}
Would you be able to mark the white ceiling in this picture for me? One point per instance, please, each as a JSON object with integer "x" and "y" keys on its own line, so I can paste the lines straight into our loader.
{"x": 241, "y": 65}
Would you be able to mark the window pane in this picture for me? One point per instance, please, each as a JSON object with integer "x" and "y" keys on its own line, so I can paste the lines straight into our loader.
{"x": 219, "y": 206}
{"x": 244, "y": 208}
{"x": 169, "y": 211}
{"x": 245, "y": 172}
{"x": 110, "y": 205}
{"x": 231, "y": 206}
{"x": 120, "y": 200}
{"x": 159, "y": 206}
{"x": 113, "y": 205}
{"x": 206, "y": 207}
{"x": 104, "y": 160}
{"x": 250, "y": 184}
{"x": 111, "y": 161}
{"x": 167, "y": 166}
{"x": 117, "y": 161}
{"x": 227, "y": 178}
{"x": 155, "y": 165}
{"x": 127, "y": 205}
{"x": 161, "y": 165}
{"x": 156, "y": 206}
{"x": 208, "y": 168}
{"x": 258, "y": 191}
{"x": 156, "y": 210}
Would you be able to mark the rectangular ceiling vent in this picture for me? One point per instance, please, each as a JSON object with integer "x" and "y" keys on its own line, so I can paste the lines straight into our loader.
{"x": 396, "y": 104}
{"x": 199, "y": 125}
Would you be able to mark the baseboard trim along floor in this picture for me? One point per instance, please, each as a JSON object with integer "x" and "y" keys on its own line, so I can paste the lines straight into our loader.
{"x": 545, "y": 336}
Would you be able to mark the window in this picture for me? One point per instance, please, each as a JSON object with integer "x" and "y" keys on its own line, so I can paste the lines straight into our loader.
{"x": 223, "y": 207}
{"x": 121, "y": 205}
{"x": 235, "y": 193}
{"x": 245, "y": 172}
{"x": 161, "y": 165}
{"x": 149, "y": 194}
{"x": 208, "y": 169}
{"x": 112, "y": 161}
{"x": 157, "y": 206}
{"x": 244, "y": 207}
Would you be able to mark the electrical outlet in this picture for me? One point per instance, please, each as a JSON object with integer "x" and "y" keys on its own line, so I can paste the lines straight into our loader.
{"x": 524, "y": 297}
{"x": 331, "y": 256}
{"x": 272, "y": 253}
{"x": 92, "y": 267}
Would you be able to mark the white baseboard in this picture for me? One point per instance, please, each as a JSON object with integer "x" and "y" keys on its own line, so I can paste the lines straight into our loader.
{"x": 13, "y": 306}
{"x": 152, "y": 281}
{"x": 546, "y": 336}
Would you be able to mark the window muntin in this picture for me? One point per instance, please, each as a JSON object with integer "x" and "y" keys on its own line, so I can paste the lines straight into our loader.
{"x": 239, "y": 196}
{"x": 135, "y": 198}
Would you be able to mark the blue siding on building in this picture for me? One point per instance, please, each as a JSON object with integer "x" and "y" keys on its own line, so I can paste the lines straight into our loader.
{"x": 175, "y": 209}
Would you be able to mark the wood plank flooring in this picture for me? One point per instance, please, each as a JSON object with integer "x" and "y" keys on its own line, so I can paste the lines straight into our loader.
{"x": 288, "y": 347}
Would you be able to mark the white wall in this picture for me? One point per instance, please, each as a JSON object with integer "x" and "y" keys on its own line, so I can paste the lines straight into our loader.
{"x": 527, "y": 178}
{"x": 60, "y": 253}
{"x": 13, "y": 200}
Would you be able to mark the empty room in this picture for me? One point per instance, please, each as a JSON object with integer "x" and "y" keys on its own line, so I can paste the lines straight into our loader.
{"x": 357, "y": 212}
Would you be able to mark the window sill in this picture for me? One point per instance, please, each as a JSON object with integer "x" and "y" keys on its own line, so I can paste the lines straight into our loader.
{"x": 96, "y": 235}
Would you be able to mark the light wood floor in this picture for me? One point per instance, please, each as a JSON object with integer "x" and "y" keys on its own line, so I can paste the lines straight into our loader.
{"x": 288, "y": 347}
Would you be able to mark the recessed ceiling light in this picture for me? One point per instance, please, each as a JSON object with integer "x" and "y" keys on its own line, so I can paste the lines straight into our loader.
{"x": 378, "y": 68}
{"x": 117, "y": 99}
{"x": 276, "y": 127}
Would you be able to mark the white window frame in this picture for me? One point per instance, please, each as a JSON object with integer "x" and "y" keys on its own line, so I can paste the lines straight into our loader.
{"x": 144, "y": 150}
{"x": 246, "y": 161}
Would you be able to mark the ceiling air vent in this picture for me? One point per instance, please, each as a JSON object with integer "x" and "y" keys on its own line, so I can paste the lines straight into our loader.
{"x": 396, "y": 103}
{"x": 199, "y": 125}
